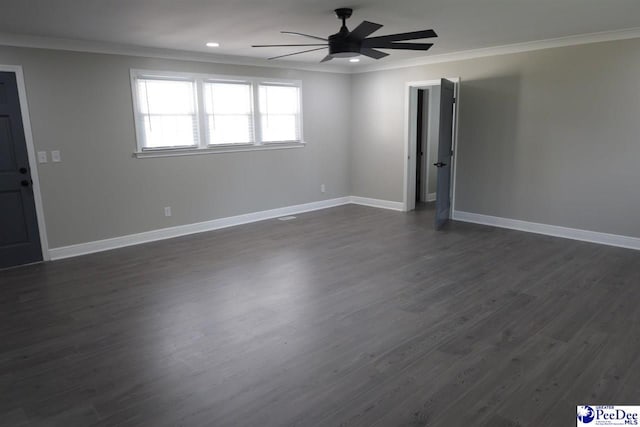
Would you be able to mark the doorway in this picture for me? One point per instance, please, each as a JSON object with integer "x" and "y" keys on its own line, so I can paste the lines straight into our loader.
{"x": 431, "y": 124}
{"x": 426, "y": 143}
{"x": 21, "y": 223}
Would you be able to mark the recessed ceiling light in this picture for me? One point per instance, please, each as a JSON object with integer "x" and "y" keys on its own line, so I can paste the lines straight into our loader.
{"x": 213, "y": 44}
{"x": 354, "y": 60}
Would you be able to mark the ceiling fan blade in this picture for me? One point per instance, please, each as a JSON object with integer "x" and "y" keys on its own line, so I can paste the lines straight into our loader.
{"x": 408, "y": 46}
{"x": 372, "y": 53}
{"x": 414, "y": 35}
{"x": 327, "y": 58}
{"x": 364, "y": 29}
{"x": 301, "y": 34}
{"x": 297, "y": 53}
{"x": 287, "y": 45}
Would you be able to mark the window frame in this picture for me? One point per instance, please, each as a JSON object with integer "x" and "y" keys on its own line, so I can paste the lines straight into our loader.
{"x": 258, "y": 113}
{"x": 204, "y": 145}
{"x": 139, "y": 116}
{"x": 205, "y": 115}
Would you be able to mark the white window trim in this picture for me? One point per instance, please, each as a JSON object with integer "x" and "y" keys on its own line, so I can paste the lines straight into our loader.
{"x": 272, "y": 82}
{"x": 205, "y": 120}
{"x": 203, "y": 136}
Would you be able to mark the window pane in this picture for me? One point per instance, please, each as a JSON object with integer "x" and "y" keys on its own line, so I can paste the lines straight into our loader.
{"x": 169, "y": 131}
{"x": 280, "y": 128}
{"x": 168, "y": 110}
{"x": 166, "y": 97}
{"x": 228, "y": 98}
{"x": 230, "y": 129}
{"x": 279, "y": 113}
{"x": 279, "y": 100}
{"x": 229, "y": 112}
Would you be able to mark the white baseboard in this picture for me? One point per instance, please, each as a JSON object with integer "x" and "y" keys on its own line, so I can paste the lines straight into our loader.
{"x": 550, "y": 230}
{"x": 431, "y": 197}
{"x": 182, "y": 230}
{"x": 377, "y": 203}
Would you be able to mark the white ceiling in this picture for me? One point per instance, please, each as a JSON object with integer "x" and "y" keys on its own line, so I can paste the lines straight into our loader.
{"x": 236, "y": 24}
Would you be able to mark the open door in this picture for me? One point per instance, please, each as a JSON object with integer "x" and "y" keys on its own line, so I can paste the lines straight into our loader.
{"x": 445, "y": 141}
{"x": 19, "y": 235}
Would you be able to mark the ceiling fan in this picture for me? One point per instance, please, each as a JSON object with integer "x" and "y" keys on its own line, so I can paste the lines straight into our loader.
{"x": 345, "y": 43}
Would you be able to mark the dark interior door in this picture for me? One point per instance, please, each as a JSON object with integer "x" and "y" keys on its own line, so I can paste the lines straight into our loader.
{"x": 19, "y": 236}
{"x": 445, "y": 145}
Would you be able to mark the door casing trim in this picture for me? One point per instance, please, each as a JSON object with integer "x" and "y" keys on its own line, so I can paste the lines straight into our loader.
{"x": 410, "y": 124}
{"x": 31, "y": 153}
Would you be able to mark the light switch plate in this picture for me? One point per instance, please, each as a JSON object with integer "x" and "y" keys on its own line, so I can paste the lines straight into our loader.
{"x": 55, "y": 156}
{"x": 42, "y": 157}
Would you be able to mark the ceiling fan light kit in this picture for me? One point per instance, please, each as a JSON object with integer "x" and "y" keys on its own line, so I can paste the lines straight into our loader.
{"x": 349, "y": 44}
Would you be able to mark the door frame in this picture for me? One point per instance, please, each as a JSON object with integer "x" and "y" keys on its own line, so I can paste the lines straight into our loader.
{"x": 410, "y": 131}
{"x": 31, "y": 153}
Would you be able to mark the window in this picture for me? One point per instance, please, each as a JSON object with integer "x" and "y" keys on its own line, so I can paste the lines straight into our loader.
{"x": 279, "y": 112}
{"x": 167, "y": 111}
{"x": 229, "y": 112}
{"x": 195, "y": 113}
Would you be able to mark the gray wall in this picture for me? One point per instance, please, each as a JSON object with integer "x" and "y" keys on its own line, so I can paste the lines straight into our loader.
{"x": 81, "y": 104}
{"x": 550, "y": 136}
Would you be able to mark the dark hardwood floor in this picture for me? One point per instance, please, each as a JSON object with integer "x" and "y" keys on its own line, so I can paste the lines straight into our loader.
{"x": 347, "y": 316}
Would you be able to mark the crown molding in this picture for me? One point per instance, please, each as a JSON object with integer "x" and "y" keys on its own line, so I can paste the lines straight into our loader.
{"x": 605, "y": 36}
{"x": 38, "y": 42}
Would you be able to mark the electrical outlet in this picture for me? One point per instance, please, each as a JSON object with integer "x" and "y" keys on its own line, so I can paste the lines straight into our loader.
{"x": 323, "y": 189}
{"x": 55, "y": 156}
{"x": 42, "y": 157}
{"x": 167, "y": 211}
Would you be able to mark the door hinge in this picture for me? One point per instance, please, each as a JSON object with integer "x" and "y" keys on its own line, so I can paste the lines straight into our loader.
{"x": 454, "y": 100}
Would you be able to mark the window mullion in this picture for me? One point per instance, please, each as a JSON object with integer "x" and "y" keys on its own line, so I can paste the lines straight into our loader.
{"x": 299, "y": 117}
{"x": 257, "y": 119}
{"x": 201, "y": 116}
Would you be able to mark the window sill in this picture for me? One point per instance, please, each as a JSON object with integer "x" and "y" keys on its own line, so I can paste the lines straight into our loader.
{"x": 173, "y": 152}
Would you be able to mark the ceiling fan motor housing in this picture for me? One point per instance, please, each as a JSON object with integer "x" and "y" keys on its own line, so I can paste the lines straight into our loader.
{"x": 341, "y": 46}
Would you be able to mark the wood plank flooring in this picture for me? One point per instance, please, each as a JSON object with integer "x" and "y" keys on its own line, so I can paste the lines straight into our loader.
{"x": 349, "y": 316}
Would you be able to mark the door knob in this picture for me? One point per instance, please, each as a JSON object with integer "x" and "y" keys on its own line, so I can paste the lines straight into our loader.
{"x": 439, "y": 164}
{"x": 24, "y": 183}
{"x": 22, "y": 170}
